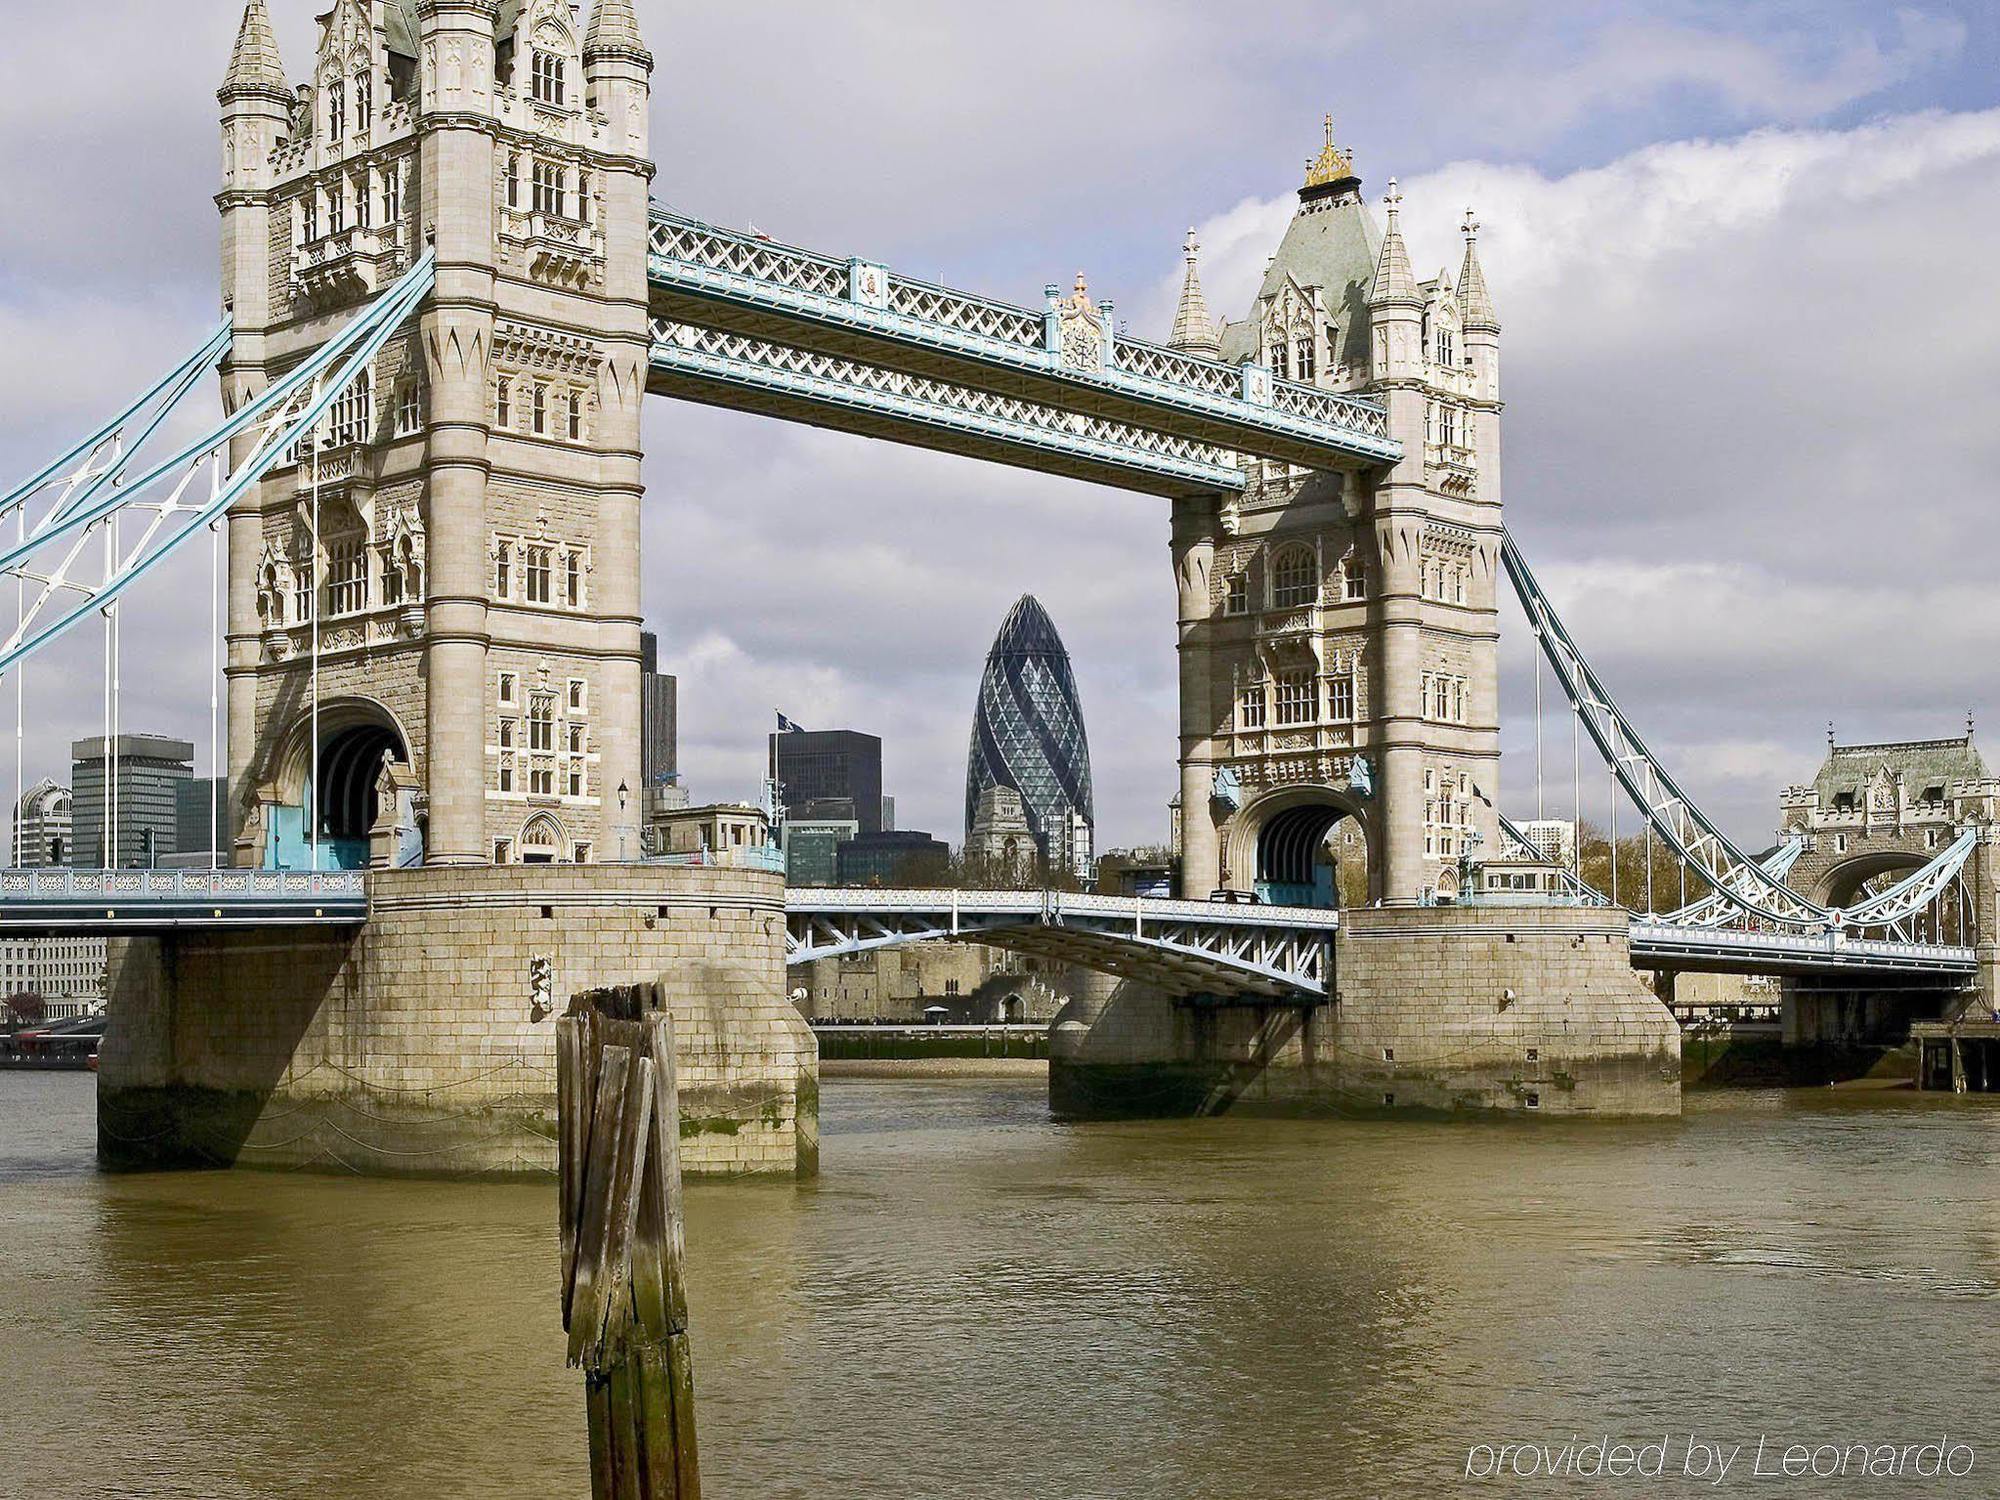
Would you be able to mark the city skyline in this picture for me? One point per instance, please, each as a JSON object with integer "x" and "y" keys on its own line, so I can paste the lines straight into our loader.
{"x": 1645, "y": 175}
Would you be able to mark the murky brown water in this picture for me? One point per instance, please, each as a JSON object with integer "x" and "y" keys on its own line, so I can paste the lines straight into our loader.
{"x": 976, "y": 1302}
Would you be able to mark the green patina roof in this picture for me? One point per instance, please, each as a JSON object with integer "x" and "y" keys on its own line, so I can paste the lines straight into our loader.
{"x": 1330, "y": 244}
{"x": 1924, "y": 764}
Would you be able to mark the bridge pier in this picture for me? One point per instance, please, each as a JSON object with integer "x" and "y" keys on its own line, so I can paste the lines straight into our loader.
{"x": 1436, "y": 1009}
{"x": 424, "y": 1042}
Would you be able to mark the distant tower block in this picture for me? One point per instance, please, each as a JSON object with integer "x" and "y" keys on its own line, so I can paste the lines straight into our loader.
{"x": 464, "y": 541}
{"x": 1339, "y": 632}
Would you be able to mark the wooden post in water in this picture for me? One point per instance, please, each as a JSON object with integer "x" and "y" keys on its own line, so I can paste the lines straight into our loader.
{"x": 624, "y": 1296}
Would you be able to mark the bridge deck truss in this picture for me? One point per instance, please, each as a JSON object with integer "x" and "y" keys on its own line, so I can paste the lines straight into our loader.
{"x": 747, "y": 284}
{"x": 1183, "y": 947}
{"x": 737, "y": 371}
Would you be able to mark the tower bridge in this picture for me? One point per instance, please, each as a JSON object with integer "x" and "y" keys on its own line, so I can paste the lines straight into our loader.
{"x": 448, "y": 292}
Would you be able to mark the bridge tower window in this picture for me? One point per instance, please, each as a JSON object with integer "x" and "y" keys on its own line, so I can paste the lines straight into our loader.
{"x": 1250, "y": 707}
{"x": 1353, "y": 578}
{"x": 504, "y": 404}
{"x": 537, "y": 571}
{"x": 1340, "y": 699}
{"x": 336, "y": 207}
{"x": 1294, "y": 578}
{"x": 550, "y": 79}
{"x": 1296, "y": 694}
{"x": 1307, "y": 356}
{"x": 1281, "y": 364}
{"x": 513, "y": 179}
{"x": 347, "y": 576}
{"x": 573, "y": 579}
{"x": 542, "y": 723}
{"x": 1237, "y": 600}
{"x": 364, "y": 102}
{"x": 550, "y": 197}
{"x": 503, "y": 588}
{"x": 336, "y": 111}
{"x": 540, "y": 410}
{"x": 575, "y": 416}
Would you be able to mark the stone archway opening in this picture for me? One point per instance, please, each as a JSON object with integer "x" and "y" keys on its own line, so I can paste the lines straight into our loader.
{"x": 1304, "y": 847}
{"x": 350, "y": 766}
{"x": 332, "y": 799}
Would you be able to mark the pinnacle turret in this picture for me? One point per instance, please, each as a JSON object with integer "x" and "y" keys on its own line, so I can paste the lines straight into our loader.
{"x": 614, "y": 27}
{"x": 256, "y": 63}
{"x": 1194, "y": 330}
{"x": 1394, "y": 280}
{"x": 1473, "y": 297}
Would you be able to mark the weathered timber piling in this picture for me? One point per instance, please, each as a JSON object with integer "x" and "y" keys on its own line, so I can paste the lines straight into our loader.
{"x": 624, "y": 1295}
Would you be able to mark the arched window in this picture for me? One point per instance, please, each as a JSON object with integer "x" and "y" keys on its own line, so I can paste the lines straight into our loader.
{"x": 336, "y": 111}
{"x": 541, "y": 840}
{"x": 550, "y": 80}
{"x": 364, "y": 101}
{"x": 1294, "y": 578}
{"x": 1353, "y": 578}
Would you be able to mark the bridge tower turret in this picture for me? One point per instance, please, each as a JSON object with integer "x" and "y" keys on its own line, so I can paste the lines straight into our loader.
{"x": 450, "y": 576}
{"x": 1342, "y": 662}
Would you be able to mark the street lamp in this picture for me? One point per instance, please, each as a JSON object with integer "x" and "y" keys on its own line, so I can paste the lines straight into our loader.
{"x": 624, "y": 792}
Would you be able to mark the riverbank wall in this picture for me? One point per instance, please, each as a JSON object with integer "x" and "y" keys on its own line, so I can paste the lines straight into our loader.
{"x": 1434, "y": 1010}
{"x": 424, "y": 1042}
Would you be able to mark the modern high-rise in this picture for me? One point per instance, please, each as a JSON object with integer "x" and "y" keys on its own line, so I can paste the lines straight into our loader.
{"x": 42, "y": 826}
{"x": 147, "y": 773}
{"x": 1028, "y": 734}
{"x": 659, "y": 720}
{"x": 202, "y": 836}
{"x": 816, "y": 767}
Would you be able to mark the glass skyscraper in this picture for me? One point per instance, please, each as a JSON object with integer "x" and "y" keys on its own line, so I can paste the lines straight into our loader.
{"x": 1027, "y": 733}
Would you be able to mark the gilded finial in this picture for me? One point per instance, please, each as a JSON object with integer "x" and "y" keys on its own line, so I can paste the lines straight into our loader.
{"x": 1331, "y": 165}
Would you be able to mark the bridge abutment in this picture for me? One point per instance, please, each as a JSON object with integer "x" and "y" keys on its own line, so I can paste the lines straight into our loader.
{"x": 1436, "y": 1009}
{"x": 424, "y": 1043}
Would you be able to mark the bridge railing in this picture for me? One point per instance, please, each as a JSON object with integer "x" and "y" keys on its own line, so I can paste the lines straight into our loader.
{"x": 70, "y": 886}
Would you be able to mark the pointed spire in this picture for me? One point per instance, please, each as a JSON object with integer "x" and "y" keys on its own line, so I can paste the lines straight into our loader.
{"x": 1194, "y": 330}
{"x": 1473, "y": 297}
{"x": 1394, "y": 280}
{"x": 614, "y": 27}
{"x": 256, "y": 62}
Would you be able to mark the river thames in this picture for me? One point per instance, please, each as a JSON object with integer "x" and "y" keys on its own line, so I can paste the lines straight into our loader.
{"x": 975, "y": 1301}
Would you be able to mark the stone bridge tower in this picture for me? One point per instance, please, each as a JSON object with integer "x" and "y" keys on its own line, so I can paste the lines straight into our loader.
{"x": 1339, "y": 632}
{"x": 459, "y": 552}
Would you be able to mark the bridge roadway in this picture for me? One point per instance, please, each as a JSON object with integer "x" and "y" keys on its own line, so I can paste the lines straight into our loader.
{"x": 1182, "y": 947}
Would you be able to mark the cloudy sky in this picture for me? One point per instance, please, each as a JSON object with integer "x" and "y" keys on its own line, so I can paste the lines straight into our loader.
{"x": 1743, "y": 252}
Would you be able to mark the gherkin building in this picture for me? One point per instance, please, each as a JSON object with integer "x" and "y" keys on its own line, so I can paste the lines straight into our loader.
{"x": 1027, "y": 730}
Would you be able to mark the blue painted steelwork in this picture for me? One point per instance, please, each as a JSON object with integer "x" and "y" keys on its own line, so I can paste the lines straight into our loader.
{"x": 730, "y": 369}
{"x": 1183, "y": 947}
{"x": 1734, "y": 877}
{"x": 288, "y": 412}
{"x": 747, "y": 284}
{"x": 163, "y": 396}
{"x": 1666, "y": 945}
{"x": 139, "y": 901}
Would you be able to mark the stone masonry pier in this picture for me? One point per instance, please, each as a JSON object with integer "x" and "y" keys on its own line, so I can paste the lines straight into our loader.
{"x": 424, "y": 1043}
{"x": 1443, "y": 1009}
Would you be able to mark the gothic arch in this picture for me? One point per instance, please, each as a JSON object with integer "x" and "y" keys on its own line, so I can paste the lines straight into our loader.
{"x": 339, "y": 721}
{"x": 1295, "y": 817}
{"x": 543, "y": 841}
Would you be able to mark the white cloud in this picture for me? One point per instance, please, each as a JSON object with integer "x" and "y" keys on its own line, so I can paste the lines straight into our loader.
{"x": 1753, "y": 364}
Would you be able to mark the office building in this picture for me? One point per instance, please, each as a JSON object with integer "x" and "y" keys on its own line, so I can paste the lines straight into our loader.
{"x": 816, "y": 766}
{"x": 144, "y": 803}
{"x": 42, "y": 826}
